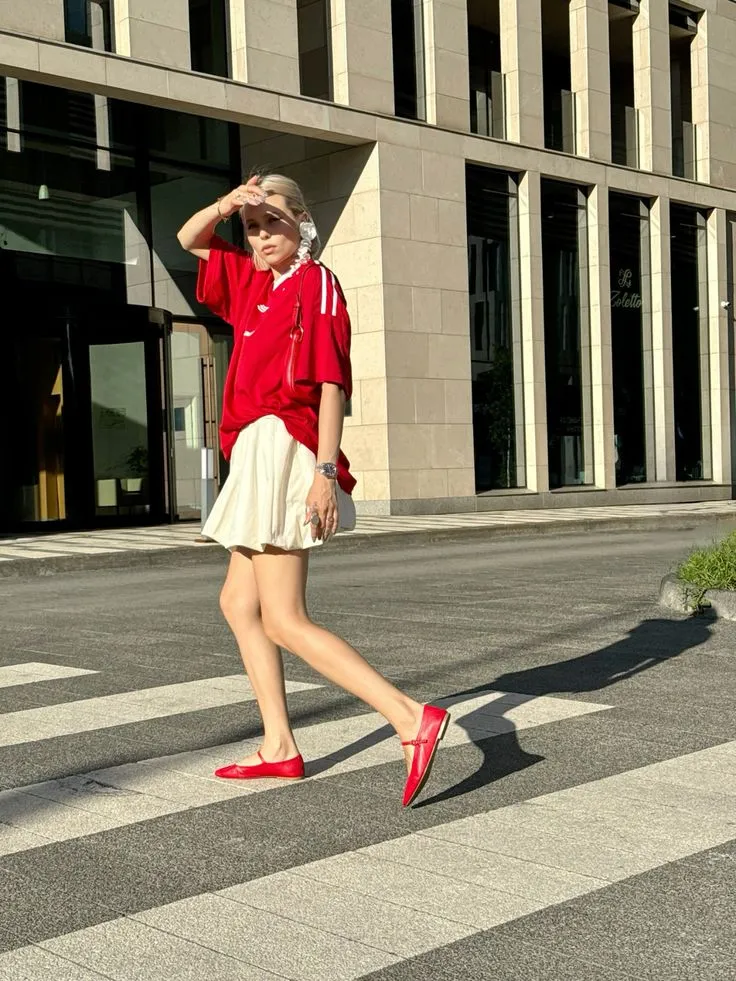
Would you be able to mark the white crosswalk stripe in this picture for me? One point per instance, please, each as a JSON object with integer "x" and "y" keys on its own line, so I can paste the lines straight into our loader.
{"x": 28, "y": 672}
{"x": 357, "y": 912}
{"x": 106, "y": 711}
{"x": 59, "y": 810}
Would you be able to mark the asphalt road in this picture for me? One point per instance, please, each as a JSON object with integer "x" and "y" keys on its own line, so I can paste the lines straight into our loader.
{"x": 603, "y": 682}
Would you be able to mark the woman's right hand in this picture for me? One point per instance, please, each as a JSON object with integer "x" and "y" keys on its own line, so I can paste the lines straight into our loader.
{"x": 249, "y": 193}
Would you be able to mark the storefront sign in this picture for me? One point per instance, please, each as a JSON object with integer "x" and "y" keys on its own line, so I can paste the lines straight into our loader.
{"x": 624, "y": 296}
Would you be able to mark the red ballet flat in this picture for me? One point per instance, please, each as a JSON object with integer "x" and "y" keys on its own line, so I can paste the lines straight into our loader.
{"x": 292, "y": 769}
{"x": 431, "y": 730}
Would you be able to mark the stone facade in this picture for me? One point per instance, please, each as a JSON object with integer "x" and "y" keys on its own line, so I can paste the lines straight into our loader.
{"x": 390, "y": 197}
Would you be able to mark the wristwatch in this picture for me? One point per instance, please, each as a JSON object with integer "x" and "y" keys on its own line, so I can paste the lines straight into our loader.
{"x": 328, "y": 470}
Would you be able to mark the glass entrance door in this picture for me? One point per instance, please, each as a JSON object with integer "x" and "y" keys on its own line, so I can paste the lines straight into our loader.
{"x": 122, "y": 465}
{"x": 119, "y": 417}
{"x": 89, "y": 444}
{"x": 199, "y": 359}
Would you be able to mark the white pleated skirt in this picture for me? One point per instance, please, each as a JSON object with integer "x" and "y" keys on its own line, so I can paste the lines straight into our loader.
{"x": 263, "y": 501}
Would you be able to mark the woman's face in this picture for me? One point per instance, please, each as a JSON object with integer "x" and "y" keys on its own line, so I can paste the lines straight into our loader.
{"x": 272, "y": 232}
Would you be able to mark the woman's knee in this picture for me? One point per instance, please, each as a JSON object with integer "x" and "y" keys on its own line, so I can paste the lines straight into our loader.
{"x": 285, "y": 630}
{"x": 237, "y": 605}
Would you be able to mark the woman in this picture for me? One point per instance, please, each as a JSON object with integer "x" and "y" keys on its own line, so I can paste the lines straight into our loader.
{"x": 289, "y": 485}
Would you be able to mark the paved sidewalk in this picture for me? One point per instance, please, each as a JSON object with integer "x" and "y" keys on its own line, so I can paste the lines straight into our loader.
{"x": 45, "y": 554}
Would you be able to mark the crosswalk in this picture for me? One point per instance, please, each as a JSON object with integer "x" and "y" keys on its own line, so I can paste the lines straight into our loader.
{"x": 360, "y": 908}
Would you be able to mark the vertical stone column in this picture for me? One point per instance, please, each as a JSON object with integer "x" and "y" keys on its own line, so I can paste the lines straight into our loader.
{"x": 652, "y": 86}
{"x": 714, "y": 95}
{"x": 12, "y": 114}
{"x": 702, "y": 51}
{"x": 521, "y": 66}
{"x": 426, "y": 324}
{"x": 532, "y": 332}
{"x": 591, "y": 77}
{"x": 601, "y": 357}
{"x": 446, "y": 58}
{"x": 719, "y": 319}
{"x": 362, "y": 55}
{"x": 264, "y": 44}
{"x": 39, "y": 18}
{"x": 152, "y": 31}
{"x": 663, "y": 393}
{"x": 344, "y": 188}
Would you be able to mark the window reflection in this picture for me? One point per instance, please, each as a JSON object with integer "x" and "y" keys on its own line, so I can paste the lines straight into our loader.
{"x": 408, "y": 58}
{"x": 313, "y": 24}
{"x": 495, "y": 344}
{"x": 630, "y": 335}
{"x": 567, "y": 353}
{"x": 208, "y": 37}
{"x": 689, "y": 341}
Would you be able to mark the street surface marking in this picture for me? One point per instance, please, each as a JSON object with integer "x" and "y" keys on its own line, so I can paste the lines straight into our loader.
{"x": 349, "y": 915}
{"x": 30, "y": 671}
{"x": 123, "y": 795}
{"x": 70, "y": 718}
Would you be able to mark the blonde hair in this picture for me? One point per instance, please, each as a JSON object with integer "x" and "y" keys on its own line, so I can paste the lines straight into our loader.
{"x": 294, "y": 196}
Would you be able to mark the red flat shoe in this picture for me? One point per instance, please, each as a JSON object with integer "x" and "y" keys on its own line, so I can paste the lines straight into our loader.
{"x": 292, "y": 769}
{"x": 431, "y": 730}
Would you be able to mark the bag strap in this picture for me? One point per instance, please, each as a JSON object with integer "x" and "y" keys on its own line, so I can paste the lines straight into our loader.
{"x": 297, "y": 327}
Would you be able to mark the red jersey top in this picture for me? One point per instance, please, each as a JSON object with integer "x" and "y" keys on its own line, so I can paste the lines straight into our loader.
{"x": 261, "y": 310}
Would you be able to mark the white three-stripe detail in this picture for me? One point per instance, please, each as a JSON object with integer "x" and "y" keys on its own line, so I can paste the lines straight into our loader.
{"x": 334, "y": 294}
{"x": 323, "y": 307}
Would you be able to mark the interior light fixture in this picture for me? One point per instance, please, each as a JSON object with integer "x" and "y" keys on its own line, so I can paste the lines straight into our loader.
{"x": 43, "y": 192}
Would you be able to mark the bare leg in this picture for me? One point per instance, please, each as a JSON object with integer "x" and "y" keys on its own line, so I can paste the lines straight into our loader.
{"x": 281, "y": 578}
{"x": 261, "y": 658}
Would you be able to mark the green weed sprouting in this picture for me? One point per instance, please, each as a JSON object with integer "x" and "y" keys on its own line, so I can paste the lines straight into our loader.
{"x": 713, "y": 567}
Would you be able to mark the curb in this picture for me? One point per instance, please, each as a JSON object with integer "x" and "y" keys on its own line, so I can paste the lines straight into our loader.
{"x": 214, "y": 554}
{"x": 682, "y": 597}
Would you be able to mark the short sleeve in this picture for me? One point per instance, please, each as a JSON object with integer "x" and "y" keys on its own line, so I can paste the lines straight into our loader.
{"x": 223, "y": 279}
{"x": 324, "y": 354}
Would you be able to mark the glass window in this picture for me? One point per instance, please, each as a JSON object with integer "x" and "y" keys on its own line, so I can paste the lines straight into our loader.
{"x": 70, "y": 226}
{"x": 313, "y": 23}
{"x": 208, "y": 37}
{"x": 119, "y": 408}
{"x": 176, "y": 192}
{"x": 631, "y": 337}
{"x": 690, "y": 342}
{"x": 624, "y": 118}
{"x": 486, "y": 80}
{"x": 566, "y": 334}
{"x": 50, "y": 111}
{"x": 408, "y": 54}
{"x": 494, "y": 329}
{"x": 175, "y": 136}
{"x": 89, "y": 23}
{"x": 559, "y": 106}
{"x": 683, "y": 28}
{"x": 34, "y": 393}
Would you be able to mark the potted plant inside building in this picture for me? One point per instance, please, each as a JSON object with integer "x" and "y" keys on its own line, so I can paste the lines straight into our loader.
{"x": 137, "y": 465}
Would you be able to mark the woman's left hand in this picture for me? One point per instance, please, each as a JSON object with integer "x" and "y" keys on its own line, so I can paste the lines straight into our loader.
{"x": 322, "y": 503}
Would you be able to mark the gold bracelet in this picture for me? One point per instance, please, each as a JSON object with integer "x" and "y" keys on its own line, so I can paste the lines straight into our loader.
{"x": 222, "y": 217}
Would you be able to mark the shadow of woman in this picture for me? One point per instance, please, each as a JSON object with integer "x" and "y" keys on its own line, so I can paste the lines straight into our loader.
{"x": 649, "y": 644}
